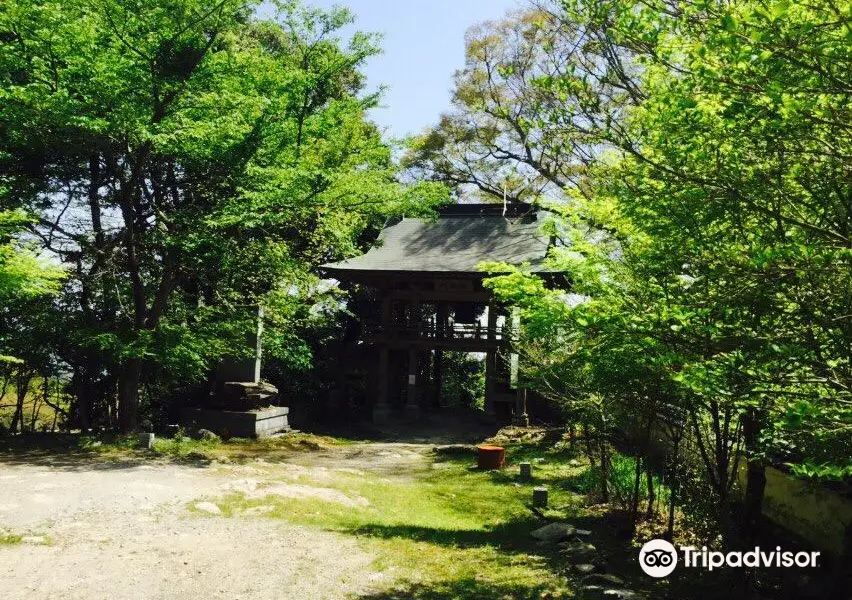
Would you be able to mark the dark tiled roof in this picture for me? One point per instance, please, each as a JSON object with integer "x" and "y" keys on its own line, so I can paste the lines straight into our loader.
{"x": 454, "y": 243}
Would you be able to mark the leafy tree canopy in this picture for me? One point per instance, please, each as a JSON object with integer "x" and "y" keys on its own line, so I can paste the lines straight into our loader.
{"x": 188, "y": 160}
{"x": 696, "y": 158}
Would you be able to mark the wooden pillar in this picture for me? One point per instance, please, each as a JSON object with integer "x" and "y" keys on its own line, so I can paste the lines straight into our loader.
{"x": 438, "y": 365}
{"x": 521, "y": 418}
{"x": 412, "y": 408}
{"x": 492, "y": 323}
{"x": 441, "y": 325}
{"x": 491, "y": 362}
{"x": 416, "y": 316}
{"x": 381, "y": 410}
{"x": 438, "y": 375}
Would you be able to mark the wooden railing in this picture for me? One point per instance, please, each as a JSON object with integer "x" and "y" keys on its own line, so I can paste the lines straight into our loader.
{"x": 431, "y": 331}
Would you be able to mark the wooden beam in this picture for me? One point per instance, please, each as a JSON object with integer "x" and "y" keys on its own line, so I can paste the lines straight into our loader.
{"x": 432, "y": 296}
{"x": 460, "y": 344}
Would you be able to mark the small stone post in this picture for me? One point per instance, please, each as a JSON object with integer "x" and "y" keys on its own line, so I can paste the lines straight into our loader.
{"x": 526, "y": 471}
{"x": 540, "y": 497}
{"x": 146, "y": 440}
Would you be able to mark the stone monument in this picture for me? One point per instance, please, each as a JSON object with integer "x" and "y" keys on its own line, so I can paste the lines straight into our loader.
{"x": 240, "y": 404}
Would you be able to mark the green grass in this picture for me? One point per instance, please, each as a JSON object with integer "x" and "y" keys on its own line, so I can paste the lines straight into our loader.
{"x": 621, "y": 481}
{"x": 438, "y": 531}
{"x": 183, "y": 447}
{"x": 9, "y": 539}
{"x": 446, "y": 532}
{"x": 111, "y": 447}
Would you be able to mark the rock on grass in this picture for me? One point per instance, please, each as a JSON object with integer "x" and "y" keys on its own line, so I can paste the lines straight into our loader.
{"x": 602, "y": 579}
{"x": 455, "y": 450}
{"x": 554, "y": 532}
{"x": 585, "y": 568}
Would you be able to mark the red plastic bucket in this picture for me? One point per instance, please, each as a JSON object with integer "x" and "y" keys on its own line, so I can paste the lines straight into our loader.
{"x": 490, "y": 457}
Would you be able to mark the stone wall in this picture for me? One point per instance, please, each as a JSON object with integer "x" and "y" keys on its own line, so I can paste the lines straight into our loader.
{"x": 813, "y": 512}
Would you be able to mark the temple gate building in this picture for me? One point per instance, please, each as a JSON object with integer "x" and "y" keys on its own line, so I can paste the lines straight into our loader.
{"x": 422, "y": 294}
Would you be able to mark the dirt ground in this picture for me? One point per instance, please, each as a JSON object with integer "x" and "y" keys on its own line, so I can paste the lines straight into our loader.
{"x": 128, "y": 530}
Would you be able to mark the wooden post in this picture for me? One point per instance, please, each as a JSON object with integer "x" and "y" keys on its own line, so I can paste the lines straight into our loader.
{"x": 441, "y": 325}
{"x": 412, "y": 408}
{"x": 416, "y": 317}
{"x": 490, "y": 362}
{"x": 521, "y": 418}
{"x": 438, "y": 375}
{"x": 492, "y": 323}
{"x": 381, "y": 410}
{"x": 441, "y": 334}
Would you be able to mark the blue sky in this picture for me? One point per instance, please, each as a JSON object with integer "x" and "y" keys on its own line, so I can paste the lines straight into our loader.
{"x": 423, "y": 46}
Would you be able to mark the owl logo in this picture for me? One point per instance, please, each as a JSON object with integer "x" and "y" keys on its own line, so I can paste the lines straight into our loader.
{"x": 658, "y": 558}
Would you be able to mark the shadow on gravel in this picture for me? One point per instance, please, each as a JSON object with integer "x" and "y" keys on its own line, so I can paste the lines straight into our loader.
{"x": 75, "y": 452}
{"x": 429, "y": 428}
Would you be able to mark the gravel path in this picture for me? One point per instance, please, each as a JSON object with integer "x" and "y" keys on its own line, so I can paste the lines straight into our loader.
{"x": 124, "y": 532}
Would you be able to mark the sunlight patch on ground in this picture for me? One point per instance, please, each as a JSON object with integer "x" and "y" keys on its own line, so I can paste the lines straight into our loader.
{"x": 439, "y": 524}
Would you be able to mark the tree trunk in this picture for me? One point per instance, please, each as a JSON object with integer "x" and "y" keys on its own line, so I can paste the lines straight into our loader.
{"x": 81, "y": 411}
{"x": 604, "y": 451}
{"x": 57, "y": 410}
{"x": 637, "y": 479}
{"x": 35, "y": 412}
{"x": 652, "y": 495}
{"x": 673, "y": 481}
{"x": 128, "y": 395}
{"x": 22, "y": 387}
{"x": 18, "y": 416}
{"x": 587, "y": 442}
{"x": 6, "y": 380}
{"x": 756, "y": 475}
{"x": 672, "y": 501}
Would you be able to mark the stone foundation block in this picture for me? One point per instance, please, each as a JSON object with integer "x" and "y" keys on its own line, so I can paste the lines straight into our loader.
{"x": 234, "y": 423}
